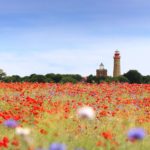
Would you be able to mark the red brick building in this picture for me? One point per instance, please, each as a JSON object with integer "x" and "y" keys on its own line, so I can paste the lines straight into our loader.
{"x": 101, "y": 72}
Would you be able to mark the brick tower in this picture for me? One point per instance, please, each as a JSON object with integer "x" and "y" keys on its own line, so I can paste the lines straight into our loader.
{"x": 101, "y": 72}
{"x": 116, "y": 71}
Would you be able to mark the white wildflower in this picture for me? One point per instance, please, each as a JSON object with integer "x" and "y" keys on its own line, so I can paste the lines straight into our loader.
{"x": 86, "y": 112}
{"x": 22, "y": 131}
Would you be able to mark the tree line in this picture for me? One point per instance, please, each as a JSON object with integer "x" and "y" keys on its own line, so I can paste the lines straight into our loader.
{"x": 132, "y": 76}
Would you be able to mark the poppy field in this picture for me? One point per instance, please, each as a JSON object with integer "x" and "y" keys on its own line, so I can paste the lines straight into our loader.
{"x": 82, "y": 116}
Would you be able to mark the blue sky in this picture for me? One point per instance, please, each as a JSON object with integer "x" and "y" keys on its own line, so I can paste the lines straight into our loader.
{"x": 73, "y": 36}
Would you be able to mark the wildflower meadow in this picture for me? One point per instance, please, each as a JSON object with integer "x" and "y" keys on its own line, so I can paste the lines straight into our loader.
{"x": 82, "y": 116}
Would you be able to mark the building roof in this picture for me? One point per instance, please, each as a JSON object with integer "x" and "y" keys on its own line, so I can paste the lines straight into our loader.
{"x": 101, "y": 64}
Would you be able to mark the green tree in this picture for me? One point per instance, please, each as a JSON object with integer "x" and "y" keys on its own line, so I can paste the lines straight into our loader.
{"x": 7, "y": 79}
{"x": 2, "y": 74}
{"x": 133, "y": 76}
{"x": 66, "y": 79}
{"x": 109, "y": 79}
{"x": 25, "y": 79}
{"x": 50, "y": 77}
{"x": 121, "y": 79}
{"x": 146, "y": 79}
{"x": 37, "y": 78}
{"x": 15, "y": 78}
{"x": 99, "y": 79}
{"x": 91, "y": 79}
{"x": 77, "y": 77}
{"x": 57, "y": 78}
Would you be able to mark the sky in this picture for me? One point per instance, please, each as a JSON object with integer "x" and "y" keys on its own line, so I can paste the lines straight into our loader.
{"x": 73, "y": 36}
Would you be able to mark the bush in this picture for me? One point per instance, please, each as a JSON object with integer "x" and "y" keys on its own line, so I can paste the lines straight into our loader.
{"x": 122, "y": 79}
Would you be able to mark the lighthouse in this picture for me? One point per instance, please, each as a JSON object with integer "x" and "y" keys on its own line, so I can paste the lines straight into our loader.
{"x": 116, "y": 71}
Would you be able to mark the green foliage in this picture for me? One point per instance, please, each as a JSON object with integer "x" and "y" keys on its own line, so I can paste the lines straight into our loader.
{"x": 15, "y": 78}
{"x": 7, "y": 79}
{"x": 50, "y": 77}
{"x": 133, "y": 76}
{"x": 100, "y": 79}
{"x": 25, "y": 79}
{"x": 91, "y": 79}
{"x": 66, "y": 79}
{"x": 37, "y": 78}
{"x": 2, "y": 74}
{"x": 77, "y": 77}
{"x": 121, "y": 79}
{"x": 57, "y": 78}
{"x": 109, "y": 79}
{"x": 146, "y": 79}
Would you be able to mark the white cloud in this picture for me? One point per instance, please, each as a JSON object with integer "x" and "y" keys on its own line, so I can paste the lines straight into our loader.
{"x": 46, "y": 62}
{"x": 134, "y": 55}
{"x": 41, "y": 52}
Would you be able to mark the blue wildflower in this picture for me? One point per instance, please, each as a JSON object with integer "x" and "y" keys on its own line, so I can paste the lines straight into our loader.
{"x": 10, "y": 123}
{"x": 57, "y": 146}
{"x": 136, "y": 134}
